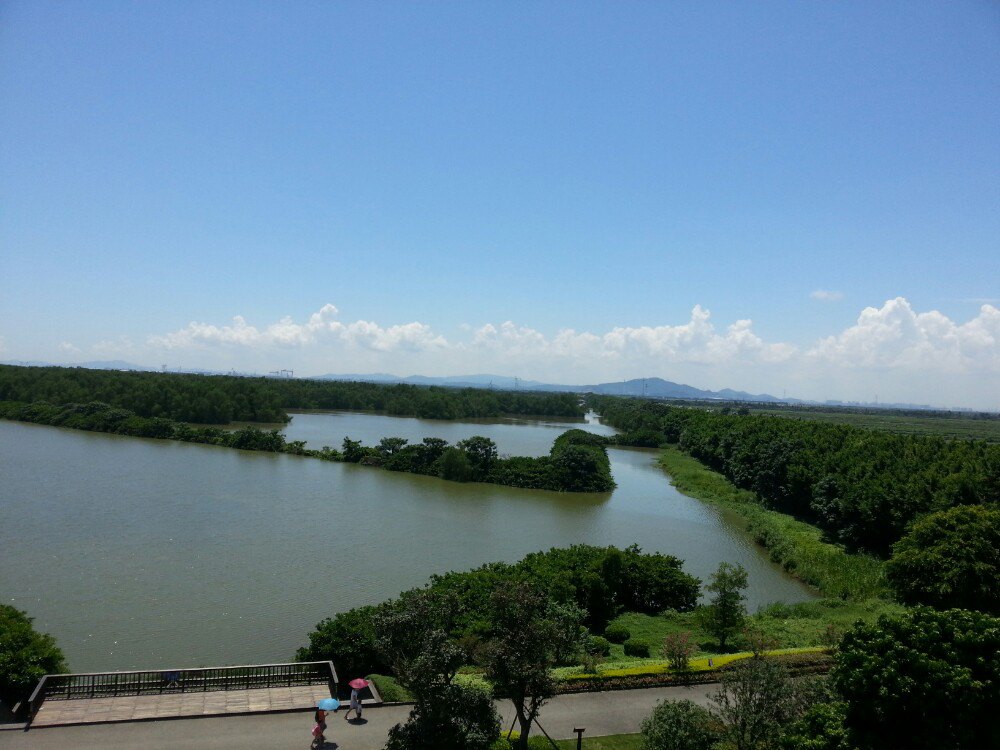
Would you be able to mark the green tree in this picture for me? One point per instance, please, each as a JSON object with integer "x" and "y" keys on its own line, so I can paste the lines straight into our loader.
{"x": 528, "y": 633}
{"x": 754, "y": 702}
{"x": 820, "y": 728}
{"x": 25, "y": 655}
{"x": 412, "y": 636}
{"x": 679, "y": 725}
{"x": 725, "y": 616}
{"x": 352, "y": 450}
{"x": 454, "y": 466}
{"x": 449, "y": 717}
{"x": 950, "y": 559}
{"x": 928, "y": 680}
{"x": 388, "y": 446}
{"x": 348, "y": 640}
{"x": 481, "y": 452}
{"x": 757, "y": 702}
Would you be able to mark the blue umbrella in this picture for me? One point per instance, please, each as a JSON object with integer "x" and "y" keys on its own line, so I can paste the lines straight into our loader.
{"x": 329, "y": 704}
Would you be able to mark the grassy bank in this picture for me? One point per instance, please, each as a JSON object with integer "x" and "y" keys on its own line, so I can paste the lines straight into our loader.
{"x": 796, "y": 546}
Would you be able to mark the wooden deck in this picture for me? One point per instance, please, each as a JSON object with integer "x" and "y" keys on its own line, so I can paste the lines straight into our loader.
{"x": 59, "y": 712}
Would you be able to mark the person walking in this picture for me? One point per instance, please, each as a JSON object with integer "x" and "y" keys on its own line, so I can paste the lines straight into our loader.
{"x": 319, "y": 728}
{"x": 356, "y": 686}
{"x": 355, "y": 705}
{"x": 319, "y": 737}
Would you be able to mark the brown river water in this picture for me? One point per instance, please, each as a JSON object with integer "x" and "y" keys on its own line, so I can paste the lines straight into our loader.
{"x": 141, "y": 553}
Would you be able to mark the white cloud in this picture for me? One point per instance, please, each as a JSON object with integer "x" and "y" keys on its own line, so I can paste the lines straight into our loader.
{"x": 68, "y": 348}
{"x": 411, "y": 337}
{"x": 921, "y": 356}
{"x": 896, "y": 336}
{"x": 694, "y": 341}
{"x": 321, "y": 328}
{"x": 825, "y": 295}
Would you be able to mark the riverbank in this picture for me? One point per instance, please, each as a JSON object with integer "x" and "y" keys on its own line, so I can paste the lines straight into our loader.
{"x": 853, "y": 586}
{"x": 798, "y": 547}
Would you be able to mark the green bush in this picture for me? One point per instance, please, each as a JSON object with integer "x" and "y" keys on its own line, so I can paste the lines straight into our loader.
{"x": 25, "y": 655}
{"x": 598, "y": 646}
{"x": 390, "y": 690}
{"x": 679, "y": 725}
{"x": 636, "y": 648}
{"x": 950, "y": 559}
{"x": 617, "y": 634}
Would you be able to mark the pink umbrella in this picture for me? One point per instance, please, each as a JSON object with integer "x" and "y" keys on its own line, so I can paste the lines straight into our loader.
{"x": 358, "y": 683}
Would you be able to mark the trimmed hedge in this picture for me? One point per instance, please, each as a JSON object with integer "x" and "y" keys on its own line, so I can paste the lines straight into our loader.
{"x": 598, "y": 646}
{"x": 798, "y": 663}
{"x": 617, "y": 634}
{"x": 633, "y": 647}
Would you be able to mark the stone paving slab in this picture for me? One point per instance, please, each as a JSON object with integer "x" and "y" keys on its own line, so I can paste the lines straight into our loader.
{"x": 60, "y": 712}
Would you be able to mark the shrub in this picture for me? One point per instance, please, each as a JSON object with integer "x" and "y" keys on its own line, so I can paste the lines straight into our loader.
{"x": 926, "y": 681}
{"x": 454, "y": 466}
{"x": 348, "y": 640}
{"x": 677, "y": 650}
{"x": 635, "y": 648}
{"x": 950, "y": 560}
{"x": 617, "y": 634}
{"x": 25, "y": 655}
{"x": 679, "y": 725}
{"x": 598, "y": 646}
{"x": 390, "y": 690}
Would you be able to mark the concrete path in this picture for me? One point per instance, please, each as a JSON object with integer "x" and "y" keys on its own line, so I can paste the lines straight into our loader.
{"x": 172, "y": 705}
{"x": 616, "y": 712}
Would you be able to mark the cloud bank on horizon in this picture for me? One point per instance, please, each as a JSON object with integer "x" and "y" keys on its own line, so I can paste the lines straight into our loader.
{"x": 893, "y": 351}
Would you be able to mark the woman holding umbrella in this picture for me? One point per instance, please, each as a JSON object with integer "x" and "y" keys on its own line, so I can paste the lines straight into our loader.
{"x": 356, "y": 685}
{"x": 327, "y": 704}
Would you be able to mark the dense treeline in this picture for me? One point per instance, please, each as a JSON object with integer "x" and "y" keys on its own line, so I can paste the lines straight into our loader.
{"x": 99, "y": 417}
{"x": 220, "y": 399}
{"x": 577, "y": 462}
{"x": 863, "y": 487}
{"x": 602, "y": 581}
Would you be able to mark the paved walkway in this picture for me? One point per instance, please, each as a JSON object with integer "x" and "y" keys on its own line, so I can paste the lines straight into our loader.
{"x": 615, "y": 712}
{"x": 169, "y": 705}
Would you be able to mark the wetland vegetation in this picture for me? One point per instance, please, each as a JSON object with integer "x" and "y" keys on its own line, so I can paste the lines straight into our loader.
{"x": 877, "y": 522}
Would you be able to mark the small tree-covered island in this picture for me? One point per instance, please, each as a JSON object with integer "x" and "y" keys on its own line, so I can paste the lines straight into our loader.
{"x": 153, "y": 405}
{"x": 899, "y": 535}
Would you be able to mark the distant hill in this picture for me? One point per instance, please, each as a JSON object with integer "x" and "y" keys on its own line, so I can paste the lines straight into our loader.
{"x": 649, "y": 387}
{"x": 660, "y": 388}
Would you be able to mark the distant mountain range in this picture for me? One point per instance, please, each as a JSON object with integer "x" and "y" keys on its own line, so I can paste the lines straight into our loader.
{"x": 649, "y": 387}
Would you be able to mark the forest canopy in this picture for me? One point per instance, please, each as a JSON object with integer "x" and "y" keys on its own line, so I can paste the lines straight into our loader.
{"x": 221, "y": 399}
{"x": 862, "y": 487}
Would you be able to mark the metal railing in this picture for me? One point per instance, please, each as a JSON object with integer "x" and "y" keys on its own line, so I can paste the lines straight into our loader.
{"x": 160, "y": 681}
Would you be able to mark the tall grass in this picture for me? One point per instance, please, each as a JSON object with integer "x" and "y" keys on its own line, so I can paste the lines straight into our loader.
{"x": 798, "y": 547}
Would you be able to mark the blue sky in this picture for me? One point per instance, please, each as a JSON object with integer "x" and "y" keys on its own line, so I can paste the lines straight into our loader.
{"x": 559, "y": 191}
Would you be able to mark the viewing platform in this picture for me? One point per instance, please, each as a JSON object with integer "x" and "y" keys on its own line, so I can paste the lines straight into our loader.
{"x": 97, "y": 697}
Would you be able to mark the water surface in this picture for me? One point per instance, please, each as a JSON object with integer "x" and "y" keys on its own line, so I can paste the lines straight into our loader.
{"x": 140, "y": 553}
